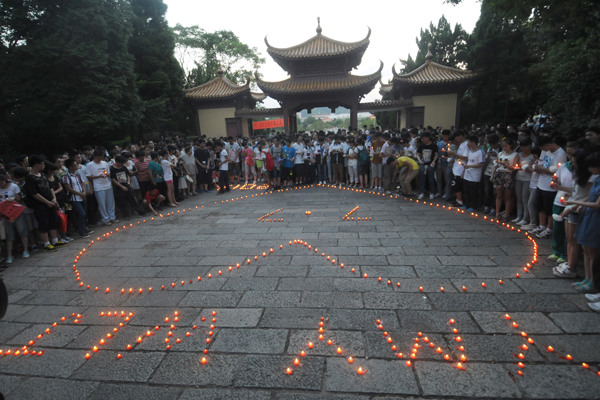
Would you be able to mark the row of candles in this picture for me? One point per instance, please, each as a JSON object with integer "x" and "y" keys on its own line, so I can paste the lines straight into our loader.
{"x": 265, "y": 218}
{"x": 529, "y": 341}
{"x": 305, "y": 244}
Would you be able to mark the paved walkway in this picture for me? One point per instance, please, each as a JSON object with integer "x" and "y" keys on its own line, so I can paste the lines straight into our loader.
{"x": 255, "y": 320}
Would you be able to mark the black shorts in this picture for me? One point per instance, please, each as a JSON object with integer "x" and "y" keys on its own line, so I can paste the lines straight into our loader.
{"x": 47, "y": 217}
{"x": 286, "y": 173}
{"x": 545, "y": 201}
{"x": 457, "y": 184}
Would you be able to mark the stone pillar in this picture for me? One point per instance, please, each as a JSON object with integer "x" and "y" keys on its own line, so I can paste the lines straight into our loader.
{"x": 354, "y": 117}
{"x": 286, "y": 121}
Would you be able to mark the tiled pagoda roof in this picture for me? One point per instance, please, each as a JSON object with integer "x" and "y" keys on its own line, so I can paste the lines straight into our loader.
{"x": 431, "y": 73}
{"x": 221, "y": 88}
{"x": 315, "y": 84}
{"x": 319, "y": 46}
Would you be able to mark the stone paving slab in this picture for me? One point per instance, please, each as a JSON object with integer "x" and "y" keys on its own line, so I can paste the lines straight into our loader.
{"x": 268, "y": 310}
{"x": 47, "y": 389}
{"x": 381, "y": 377}
{"x": 477, "y": 380}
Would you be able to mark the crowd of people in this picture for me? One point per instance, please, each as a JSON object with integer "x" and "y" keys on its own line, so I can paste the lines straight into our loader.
{"x": 546, "y": 183}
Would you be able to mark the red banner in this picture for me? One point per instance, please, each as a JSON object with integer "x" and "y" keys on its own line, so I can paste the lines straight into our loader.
{"x": 273, "y": 123}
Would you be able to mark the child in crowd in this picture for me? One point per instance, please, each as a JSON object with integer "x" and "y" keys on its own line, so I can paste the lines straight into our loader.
{"x": 588, "y": 231}
{"x": 582, "y": 183}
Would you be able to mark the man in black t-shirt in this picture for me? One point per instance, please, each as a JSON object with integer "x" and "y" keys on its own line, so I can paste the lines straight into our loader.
{"x": 121, "y": 179}
{"x": 44, "y": 204}
{"x": 204, "y": 177}
{"x": 427, "y": 154}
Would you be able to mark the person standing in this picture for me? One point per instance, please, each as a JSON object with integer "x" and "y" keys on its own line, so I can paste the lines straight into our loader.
{"x": 427, "y": 154}
{"x": 44, "y": 204}
{"x": 224, "y": 161}
{"x": 98, "y": 172}
{"x": 76, "y": 189}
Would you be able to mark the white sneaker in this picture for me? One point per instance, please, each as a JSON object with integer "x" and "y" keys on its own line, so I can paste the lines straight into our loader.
{"x": 522, "y": 222}
{"x": 564, "y": 271}
{"x": 537, "y": 229}
{"x": 546, "y": 233}
{"x": 421, "y": 196}
{"x": 594, "y": 306}
{"x": 516, "y": 220}
{"x": 431, "y": 197}
{"x": 592, "y": 297}
{"x": 528, "y": 227}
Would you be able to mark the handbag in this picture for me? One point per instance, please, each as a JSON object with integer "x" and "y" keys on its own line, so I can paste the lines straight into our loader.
{"x": 62, "y": 221}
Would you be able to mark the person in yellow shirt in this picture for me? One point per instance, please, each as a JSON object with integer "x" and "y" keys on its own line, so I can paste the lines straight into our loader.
{"x": 412, "y": 171}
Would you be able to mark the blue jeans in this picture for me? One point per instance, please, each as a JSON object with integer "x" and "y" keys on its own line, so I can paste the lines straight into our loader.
{"x": 106, "y": 204}
{"x": 322, "y": 172}
{"x": 329, "y": 170}
{"x": 79, "y": 207}
{"x": 427, "y": 173}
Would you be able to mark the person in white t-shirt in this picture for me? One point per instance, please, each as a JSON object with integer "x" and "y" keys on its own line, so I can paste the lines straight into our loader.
{"x": 224, "y": 160}
{"x": 552, "y": 157}
{"x": 10, "y": 191}
{"x": 460, "y": 157}
{"x": 167, "y": 167}
{"x": 472, "y": 175}
{"x": 98, "y": 172}
{"x": 299, "y": 160}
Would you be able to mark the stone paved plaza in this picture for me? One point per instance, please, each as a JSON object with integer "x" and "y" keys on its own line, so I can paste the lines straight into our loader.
{"x": 268, "y": 310}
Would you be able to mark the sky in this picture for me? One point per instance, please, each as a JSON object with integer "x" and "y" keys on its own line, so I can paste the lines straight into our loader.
{"x": 395, "y": 25}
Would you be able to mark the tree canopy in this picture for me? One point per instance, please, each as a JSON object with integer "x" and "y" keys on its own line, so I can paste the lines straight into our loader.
{"x": 76, "y": 74}
{"x": 203, "y": 53}
{"x": 448, "y": 45}
{"x": 536, "y": 54}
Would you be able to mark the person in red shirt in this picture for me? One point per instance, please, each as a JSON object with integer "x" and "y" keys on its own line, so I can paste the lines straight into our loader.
{"x": 153, "y": 198}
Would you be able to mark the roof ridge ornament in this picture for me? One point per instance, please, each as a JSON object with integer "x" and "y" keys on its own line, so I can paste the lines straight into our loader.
{"x": 319, "y": 30}
{"x": 429, "y": 55}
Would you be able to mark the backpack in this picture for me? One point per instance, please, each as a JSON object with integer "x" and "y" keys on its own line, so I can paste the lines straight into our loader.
{"x": 363, "y": 156}
{"x": 269, "y": 164}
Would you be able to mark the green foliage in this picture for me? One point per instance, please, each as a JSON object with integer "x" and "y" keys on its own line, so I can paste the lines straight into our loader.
{"x": 210, "y": 51}
{"x": 448, "y": 45}
{"x": 159, "y": 77}
{"x": 536, "y": 53}
{"x": 67, "y": 76}
{"x": 506, "y": 91}
{"x": 311, "y": 123}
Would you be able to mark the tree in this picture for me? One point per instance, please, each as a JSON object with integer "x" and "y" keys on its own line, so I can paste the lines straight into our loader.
{"x": 159, "y": 78}
{"x": 562, "y": 59}
{"x": 201, "y": 54}
{"x": 448, "y": 46}
{"x": 507, "y": 90}
{"x": 67, "y": 77}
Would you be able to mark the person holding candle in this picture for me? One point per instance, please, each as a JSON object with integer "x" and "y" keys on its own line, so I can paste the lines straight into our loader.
{"x": 588, "y": 231}
{"x": 442, "y": 171}
{"x": 493, "y": 149}
{"x": 427, "y": 155}
{"x": 502, "y": 177}
{"x": 460, "y": 157}
{"x": 582, "y": 183}
{"x": 551, "y": 158}
{"x": 98, "y": 172}
{"x": 299, "y": 159}
{"x": 224, "y": 161}
{"x": 406, "y": 179}
{"x": 522, "y": 181}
